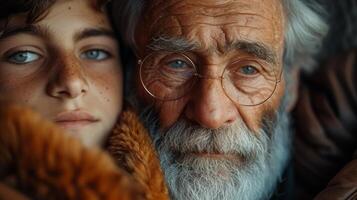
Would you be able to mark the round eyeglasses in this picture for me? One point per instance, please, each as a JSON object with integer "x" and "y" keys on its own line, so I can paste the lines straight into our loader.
{"x": 169, "y": 76}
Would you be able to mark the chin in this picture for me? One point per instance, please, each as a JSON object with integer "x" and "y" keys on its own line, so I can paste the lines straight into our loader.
{"x": 88, "y": 136}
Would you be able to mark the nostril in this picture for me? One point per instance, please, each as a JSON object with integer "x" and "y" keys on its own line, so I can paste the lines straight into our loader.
{"x": 230, "y": 121}
{"x": 63, "y": 93}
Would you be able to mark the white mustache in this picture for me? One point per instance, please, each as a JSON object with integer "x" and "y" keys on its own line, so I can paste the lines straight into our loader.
{"x": 184, "y": 138}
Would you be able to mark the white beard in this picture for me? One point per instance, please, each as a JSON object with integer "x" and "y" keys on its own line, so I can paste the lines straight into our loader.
{"x": 255, "y": 165}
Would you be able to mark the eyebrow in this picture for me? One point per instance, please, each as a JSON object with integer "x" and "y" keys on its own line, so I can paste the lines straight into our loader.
{"x": 40, "y": 31}
{"x": 256, "y": 49}
{"x": 43, "y": 31}
{"x": 163, "y": 43}
{"x": 93, "y": 32}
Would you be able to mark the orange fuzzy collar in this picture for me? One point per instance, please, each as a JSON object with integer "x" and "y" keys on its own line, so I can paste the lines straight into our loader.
{"x": 45, "y": 163}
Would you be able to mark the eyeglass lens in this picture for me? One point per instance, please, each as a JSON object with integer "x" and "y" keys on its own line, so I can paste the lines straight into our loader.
{"x": 171, "y": 75}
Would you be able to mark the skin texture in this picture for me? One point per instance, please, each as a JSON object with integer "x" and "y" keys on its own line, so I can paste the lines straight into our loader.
{"x": 211, "y": 26}
{"x": 63, "y": 75}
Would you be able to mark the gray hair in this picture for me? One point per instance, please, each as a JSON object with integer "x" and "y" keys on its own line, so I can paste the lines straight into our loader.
{"x": 305, "y": 28}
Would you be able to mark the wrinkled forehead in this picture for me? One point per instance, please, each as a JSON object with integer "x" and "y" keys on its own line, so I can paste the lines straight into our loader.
{"x": 216, "y": 22}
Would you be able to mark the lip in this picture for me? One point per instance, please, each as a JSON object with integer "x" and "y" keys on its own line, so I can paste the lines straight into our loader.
{"x": 75, "y": 118}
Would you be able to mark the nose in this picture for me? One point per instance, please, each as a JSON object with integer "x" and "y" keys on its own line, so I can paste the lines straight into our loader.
{"x": 209, "y": 105}
{"x": 68, "y": 81}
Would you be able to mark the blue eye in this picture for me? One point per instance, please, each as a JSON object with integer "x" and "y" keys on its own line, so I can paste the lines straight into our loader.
{"x": 95, "y": 54}
{"x": 176, "y": 64}
{"x": 248, "y": 70}
{"x": 23, "y": 57}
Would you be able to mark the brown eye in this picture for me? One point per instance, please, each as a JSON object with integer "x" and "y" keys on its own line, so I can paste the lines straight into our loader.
{"x": 23, "y": 57}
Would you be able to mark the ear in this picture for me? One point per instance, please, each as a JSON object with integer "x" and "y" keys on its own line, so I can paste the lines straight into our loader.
{"x": 293, "y": 88}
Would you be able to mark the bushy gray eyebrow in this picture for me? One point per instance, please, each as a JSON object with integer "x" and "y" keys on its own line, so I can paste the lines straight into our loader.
{"x": 178, "y": 44}
{"x": 256, "y": 49}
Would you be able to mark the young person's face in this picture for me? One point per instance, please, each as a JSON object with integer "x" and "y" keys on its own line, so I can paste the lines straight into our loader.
{"x": 65, "y": 66}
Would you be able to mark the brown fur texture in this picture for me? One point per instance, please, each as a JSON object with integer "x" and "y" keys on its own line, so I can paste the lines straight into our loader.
{"x": 131, "y": 146}
{"x": 45, "y": 163}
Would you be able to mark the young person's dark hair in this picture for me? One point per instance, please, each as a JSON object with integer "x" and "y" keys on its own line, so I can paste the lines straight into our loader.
{"x": 34, "y": 9}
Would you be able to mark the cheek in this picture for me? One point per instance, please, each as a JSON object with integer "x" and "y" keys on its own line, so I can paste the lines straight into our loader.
{"x": 168, "y": 111}
{"x": 25, "y": 90}
{"x": 108, "y": 87}
{"x": 253, "y": 116}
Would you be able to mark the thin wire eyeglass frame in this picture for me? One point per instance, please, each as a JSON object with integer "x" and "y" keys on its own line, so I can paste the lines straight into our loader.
{"x": 199, "y": 76}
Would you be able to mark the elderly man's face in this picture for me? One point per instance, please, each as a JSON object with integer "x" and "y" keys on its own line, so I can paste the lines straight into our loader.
{"x": 207, "y": 138}
{"x": 212, "y": 27}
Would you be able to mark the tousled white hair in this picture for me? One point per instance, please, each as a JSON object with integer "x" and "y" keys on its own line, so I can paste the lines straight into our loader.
{"x": 305, "y": 28}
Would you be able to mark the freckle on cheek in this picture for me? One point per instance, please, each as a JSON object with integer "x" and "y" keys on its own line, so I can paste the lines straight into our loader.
{"x": 26, "y": 97}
